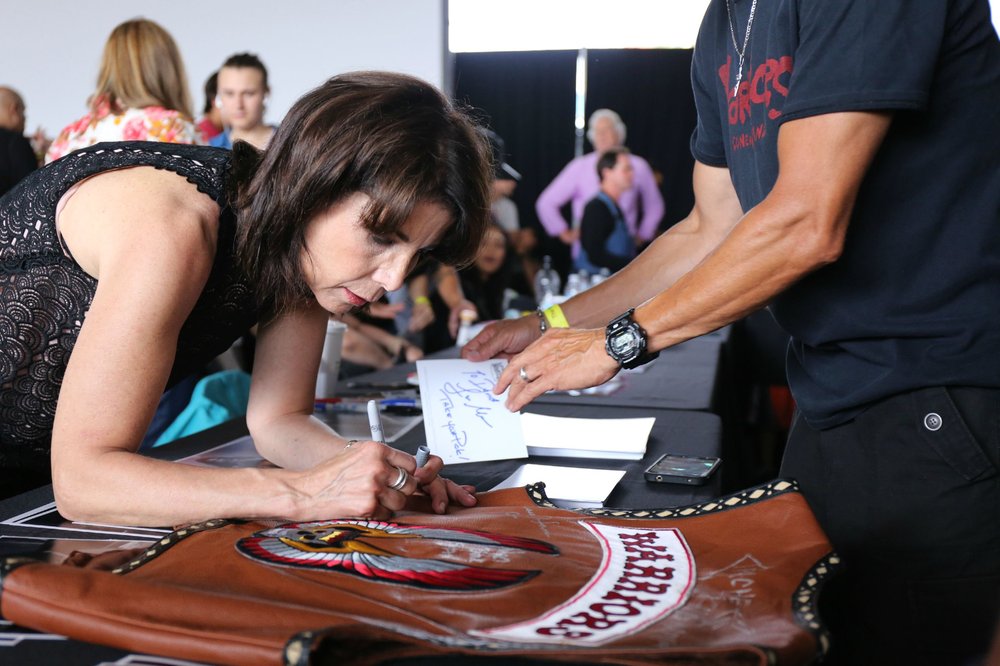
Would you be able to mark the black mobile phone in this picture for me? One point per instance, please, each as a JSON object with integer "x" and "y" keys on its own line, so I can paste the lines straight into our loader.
{"x": 691, "y": 470}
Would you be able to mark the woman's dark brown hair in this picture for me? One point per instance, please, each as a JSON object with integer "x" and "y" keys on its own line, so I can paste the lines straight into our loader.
{"x": 392, "y": 137}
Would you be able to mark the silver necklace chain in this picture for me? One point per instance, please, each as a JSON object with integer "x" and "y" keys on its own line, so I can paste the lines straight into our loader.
{"x": 746, "y": 39}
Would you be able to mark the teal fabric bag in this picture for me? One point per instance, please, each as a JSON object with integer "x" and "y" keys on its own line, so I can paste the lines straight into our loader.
{"x": 216, "y": 399}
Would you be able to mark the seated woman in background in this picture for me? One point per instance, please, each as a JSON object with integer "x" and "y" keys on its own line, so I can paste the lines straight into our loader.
{"x": 484, "y": 285}
{"x": 137, "y": 265}
{"x": 492, "y": 275}
{"x": 142, "y": 93}
{"x": 437, "y": 292}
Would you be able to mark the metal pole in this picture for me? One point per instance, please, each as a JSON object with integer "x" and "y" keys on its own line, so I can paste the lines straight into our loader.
{"x": 581, "y": 99}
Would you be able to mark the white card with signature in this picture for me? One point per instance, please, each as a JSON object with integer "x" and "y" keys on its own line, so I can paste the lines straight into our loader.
{"x": 463, "y": 420}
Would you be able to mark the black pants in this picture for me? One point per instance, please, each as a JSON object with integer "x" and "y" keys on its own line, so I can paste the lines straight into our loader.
{"x": 909, "y": 494}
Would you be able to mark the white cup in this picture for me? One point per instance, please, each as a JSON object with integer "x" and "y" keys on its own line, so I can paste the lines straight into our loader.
{"x": 329, "y": 365}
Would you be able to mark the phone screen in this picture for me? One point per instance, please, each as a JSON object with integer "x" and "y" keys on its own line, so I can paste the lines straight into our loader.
{"x": 683, "y": 466}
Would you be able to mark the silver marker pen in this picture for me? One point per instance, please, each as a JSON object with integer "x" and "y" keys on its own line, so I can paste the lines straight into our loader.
{"x": 375, "y": 422}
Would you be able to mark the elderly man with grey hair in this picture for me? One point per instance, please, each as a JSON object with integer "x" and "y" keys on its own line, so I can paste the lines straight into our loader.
{"x": 17, "y": 159}
{"x": 578, "y": 183}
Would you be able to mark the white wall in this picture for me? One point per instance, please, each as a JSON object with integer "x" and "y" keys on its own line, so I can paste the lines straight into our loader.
{"x": 50, "y": 49}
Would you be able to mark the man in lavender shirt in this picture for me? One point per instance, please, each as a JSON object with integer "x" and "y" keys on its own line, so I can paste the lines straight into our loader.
{"x": 578, "y": 183}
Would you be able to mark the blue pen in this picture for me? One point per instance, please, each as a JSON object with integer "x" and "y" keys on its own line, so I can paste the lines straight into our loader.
{"x": 400, "y": 402}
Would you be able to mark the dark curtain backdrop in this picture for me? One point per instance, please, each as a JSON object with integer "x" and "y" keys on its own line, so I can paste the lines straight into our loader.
{"x": 528, "y": 98}
{"x": 651, "y": 91}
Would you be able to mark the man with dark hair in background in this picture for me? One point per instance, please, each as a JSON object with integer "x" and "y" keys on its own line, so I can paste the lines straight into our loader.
{"x": 605, "y": 241}
{"x": 242, "y": 96}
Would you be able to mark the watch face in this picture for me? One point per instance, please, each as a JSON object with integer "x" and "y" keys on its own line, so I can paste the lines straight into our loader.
{"x": 625, "y": 344}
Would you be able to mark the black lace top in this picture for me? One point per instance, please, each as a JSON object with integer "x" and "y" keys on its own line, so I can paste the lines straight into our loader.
{"x": 45, "y": 295}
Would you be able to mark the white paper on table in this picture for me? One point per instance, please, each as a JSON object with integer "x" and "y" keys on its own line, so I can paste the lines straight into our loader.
{"x": 567, "y": 486}
{"x": 586, "y": 438}
{"x": 463, "y": 420}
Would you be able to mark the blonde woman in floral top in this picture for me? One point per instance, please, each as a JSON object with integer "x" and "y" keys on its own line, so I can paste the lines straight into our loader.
{"x": 142, "y": 93}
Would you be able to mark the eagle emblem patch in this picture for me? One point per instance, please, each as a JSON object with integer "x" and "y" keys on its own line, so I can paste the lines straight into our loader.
{"x": 369, "y": 549}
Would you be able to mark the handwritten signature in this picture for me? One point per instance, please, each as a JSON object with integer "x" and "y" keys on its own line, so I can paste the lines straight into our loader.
{"x": 466, "y": 399}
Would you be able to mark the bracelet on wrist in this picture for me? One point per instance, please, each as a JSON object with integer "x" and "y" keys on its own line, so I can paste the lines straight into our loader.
{"x": 421, "y": 300}
{"x": 554, "y": 317}
{"x": 551, "y": 317}
{"x": 543, "y": 324}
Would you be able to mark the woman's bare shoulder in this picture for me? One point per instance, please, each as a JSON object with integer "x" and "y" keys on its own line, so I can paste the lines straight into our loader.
{"x": 158, "y": 192}
{"x": 137, "y": 209}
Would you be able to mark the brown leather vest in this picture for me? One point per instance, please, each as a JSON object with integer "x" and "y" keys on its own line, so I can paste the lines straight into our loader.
{"x": 732, "y": 581}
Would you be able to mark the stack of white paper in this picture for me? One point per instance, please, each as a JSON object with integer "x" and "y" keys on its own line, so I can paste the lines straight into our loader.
{"x": 621, "y": 439}
{"x": 568, "y": 487}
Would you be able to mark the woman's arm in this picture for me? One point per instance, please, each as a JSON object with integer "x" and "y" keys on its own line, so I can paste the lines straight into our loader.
{"x": 281, "y": 421}
{"x": 282, "y": 392}
{"x": 393, "y": 348}
{"x": 449, "y": 287}
{"x": 422, "y": 313}
{"x": 361, "y": 349}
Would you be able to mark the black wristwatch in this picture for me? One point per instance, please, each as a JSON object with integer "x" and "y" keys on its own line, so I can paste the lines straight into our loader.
{"x": 625, "y": 342}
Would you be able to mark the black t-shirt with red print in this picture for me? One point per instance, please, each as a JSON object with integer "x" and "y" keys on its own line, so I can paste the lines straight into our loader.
{"x": 914, "y": 300}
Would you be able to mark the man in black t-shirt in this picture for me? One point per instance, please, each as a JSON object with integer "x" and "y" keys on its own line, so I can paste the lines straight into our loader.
{"x": 848, "y": 172}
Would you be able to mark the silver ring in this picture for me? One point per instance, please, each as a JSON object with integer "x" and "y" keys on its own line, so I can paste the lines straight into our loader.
{"x": 400, "y": 480}
{"x": 351, "y": 442}
{"x": 522, "y": 373}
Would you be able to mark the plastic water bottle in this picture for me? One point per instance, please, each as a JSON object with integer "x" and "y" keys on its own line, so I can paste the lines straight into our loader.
{"x": 598, "y": 278}
{"x": 573, "y": 285}
{"x": 547, "y": 283}
{"x": 508, "y": 296}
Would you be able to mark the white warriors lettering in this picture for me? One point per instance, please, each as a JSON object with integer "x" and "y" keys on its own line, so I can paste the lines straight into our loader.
{"x": 644, "y": 575}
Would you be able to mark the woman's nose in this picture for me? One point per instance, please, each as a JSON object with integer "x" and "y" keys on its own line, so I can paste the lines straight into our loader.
{"x": 392, "y": 273}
